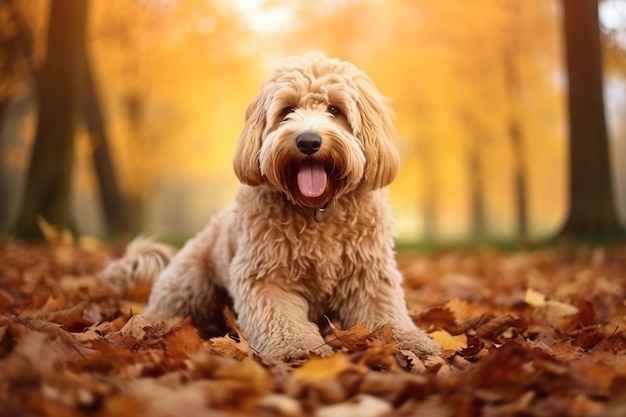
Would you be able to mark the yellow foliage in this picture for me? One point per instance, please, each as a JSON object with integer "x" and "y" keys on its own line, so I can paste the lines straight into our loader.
{"x": 176, "y": 77}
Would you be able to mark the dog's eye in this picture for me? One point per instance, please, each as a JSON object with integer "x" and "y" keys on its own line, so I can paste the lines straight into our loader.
{"x": 287, "y": 110}
{"x": 334, "y": 110}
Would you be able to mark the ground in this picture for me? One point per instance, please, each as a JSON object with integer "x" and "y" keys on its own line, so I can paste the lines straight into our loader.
{"x": 533, "y": 333}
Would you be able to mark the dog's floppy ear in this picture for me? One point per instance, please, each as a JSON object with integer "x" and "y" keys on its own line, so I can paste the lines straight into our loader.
{"x": 377, "y": 131}
{"x": 246, "y": 159}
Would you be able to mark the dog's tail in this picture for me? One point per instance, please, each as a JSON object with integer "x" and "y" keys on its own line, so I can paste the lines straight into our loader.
{"x": 144, "y": 259}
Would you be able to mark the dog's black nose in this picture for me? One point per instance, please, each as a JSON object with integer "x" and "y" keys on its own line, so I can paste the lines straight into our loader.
{"x": 309, "y": 143}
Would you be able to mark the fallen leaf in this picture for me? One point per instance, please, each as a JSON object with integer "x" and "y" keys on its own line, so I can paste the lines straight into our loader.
{"x": 461, "y": 309}
{"x": 449, "y": 342}
{"x": 356, "y": 338}
{"x": 584, "y": 317}
{"x": 182, "y": 341}
{"x": 326, "y": 369}
{"x": 470, "y": 323}
{"x": 69, "y": 346}
{"x": 384, "y": 334}
{"x": 379, "y": 356}
{"x": 559, "y": 313}
{"x": 137, "y": 327}
{"x": 322, "y": 381}
{"x": 493, "y": 328}
{"x": 438, "y": 317}
{"x": 534, "y": 298}
{"x": 227, "y": 347}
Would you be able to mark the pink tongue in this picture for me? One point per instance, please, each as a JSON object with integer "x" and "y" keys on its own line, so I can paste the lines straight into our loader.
{"x": 312, "y": 179}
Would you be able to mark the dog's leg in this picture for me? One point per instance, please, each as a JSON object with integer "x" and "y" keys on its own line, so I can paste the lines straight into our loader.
{"x": 184, "y": 289}
{"x": 379, "y": 300}
{"x": 275, "y": 321}
{"x": 190, "y": 285}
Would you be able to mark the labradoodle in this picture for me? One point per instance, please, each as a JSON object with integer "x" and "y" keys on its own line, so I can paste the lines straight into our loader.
{"x": 310, "y": 231}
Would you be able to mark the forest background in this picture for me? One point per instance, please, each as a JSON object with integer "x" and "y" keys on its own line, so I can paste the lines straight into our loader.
{"x": 478, "y": 90}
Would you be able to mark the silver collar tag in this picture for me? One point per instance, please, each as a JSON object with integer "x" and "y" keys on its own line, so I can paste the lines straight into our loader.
{"x": 322, "y": 213}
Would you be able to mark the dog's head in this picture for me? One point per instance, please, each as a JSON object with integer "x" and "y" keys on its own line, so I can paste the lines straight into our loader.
{"x": 318, "y": 129}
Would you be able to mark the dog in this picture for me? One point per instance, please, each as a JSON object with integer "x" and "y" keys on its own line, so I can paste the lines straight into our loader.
{"x": 310, "y": 232}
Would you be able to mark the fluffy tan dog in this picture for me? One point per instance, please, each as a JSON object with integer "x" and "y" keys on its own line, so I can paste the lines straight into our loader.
{"x": 310, "y": 231}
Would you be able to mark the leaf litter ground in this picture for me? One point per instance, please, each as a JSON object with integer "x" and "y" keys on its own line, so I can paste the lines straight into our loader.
{"x": 525, "y": 334}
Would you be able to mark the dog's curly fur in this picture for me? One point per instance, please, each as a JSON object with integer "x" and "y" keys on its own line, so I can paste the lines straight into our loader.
{"x": 310, "y": 231}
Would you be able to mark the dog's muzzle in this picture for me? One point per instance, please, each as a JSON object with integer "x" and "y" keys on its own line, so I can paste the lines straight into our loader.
{"x": 312, "y": 178}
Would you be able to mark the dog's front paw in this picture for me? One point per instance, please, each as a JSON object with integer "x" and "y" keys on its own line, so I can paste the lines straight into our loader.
{"x": 418, "y": 342}
{"x": 298, "y": 350}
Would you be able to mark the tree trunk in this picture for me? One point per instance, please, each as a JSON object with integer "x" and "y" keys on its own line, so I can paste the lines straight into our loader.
{"x": 592, "y": 211}
{"x": 519, "y": 183}
{"x": 49, "y": 178}
{"x": 113, "y": 203}
{"x": 516, "y": 137}
{"x": 475, "y": 176}
{"x": 429, "y": 190}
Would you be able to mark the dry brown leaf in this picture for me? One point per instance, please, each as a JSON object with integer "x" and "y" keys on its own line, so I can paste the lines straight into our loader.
{"x": 379, "y": 356}
{"x": 227, "y": 347}
{"x": 327, "y": 369}
{"x": 438, "y": 317}
{"x": 356, "y": 338}
{"x": 461, "y": 309}
{"x": 576, "y": 361}
{"x": 248, "y": 371}
{"x": 71, "y": 318}
{"x": 471, "y": 323}
{"x": 493, "y": 328}
{"x": 584, "y": 317}
{"x": 559, "y": 314}
{"x": 53, "y": 303}
{"x": 319, "y": 380}
{"x": 448, "y": 341}
{"x": 384, "y": 334}
{"x": 534, "y": 298}
{"x": 137, "y": 327}
{"x": 182, "y": 341}
{"x": 87, "y": 335}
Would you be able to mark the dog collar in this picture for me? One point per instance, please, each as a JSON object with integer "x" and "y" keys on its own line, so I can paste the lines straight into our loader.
{"x": 322, "y": 213}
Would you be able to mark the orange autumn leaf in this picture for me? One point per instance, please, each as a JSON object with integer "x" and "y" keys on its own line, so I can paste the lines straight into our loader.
{"x": 182, "y": 341}
{"x": 493, "y": 328}
{"x": 356, "y": 338}
{"x": 439, "y": 316}
{"x": 384, "y": 334}
{"x": 121, "y": 365}
{"x": 448, "y": 341}
{"x": 326, "y": 369}
{"x": 227, "y": 347}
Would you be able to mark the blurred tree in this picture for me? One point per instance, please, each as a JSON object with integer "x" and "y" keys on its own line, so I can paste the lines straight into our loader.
{"x": 592, "y": 211}
{"x": 511, "y": 66}
{"x": 48, "y": 183}
{"x": 113, "y": 203}
{"x": 25, "y": 70}
{"x": 477, "y": 136}
{"x": 16, "y": 65}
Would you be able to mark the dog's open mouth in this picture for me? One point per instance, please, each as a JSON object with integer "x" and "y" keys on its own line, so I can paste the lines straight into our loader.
{"x": 312, "y": 178}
